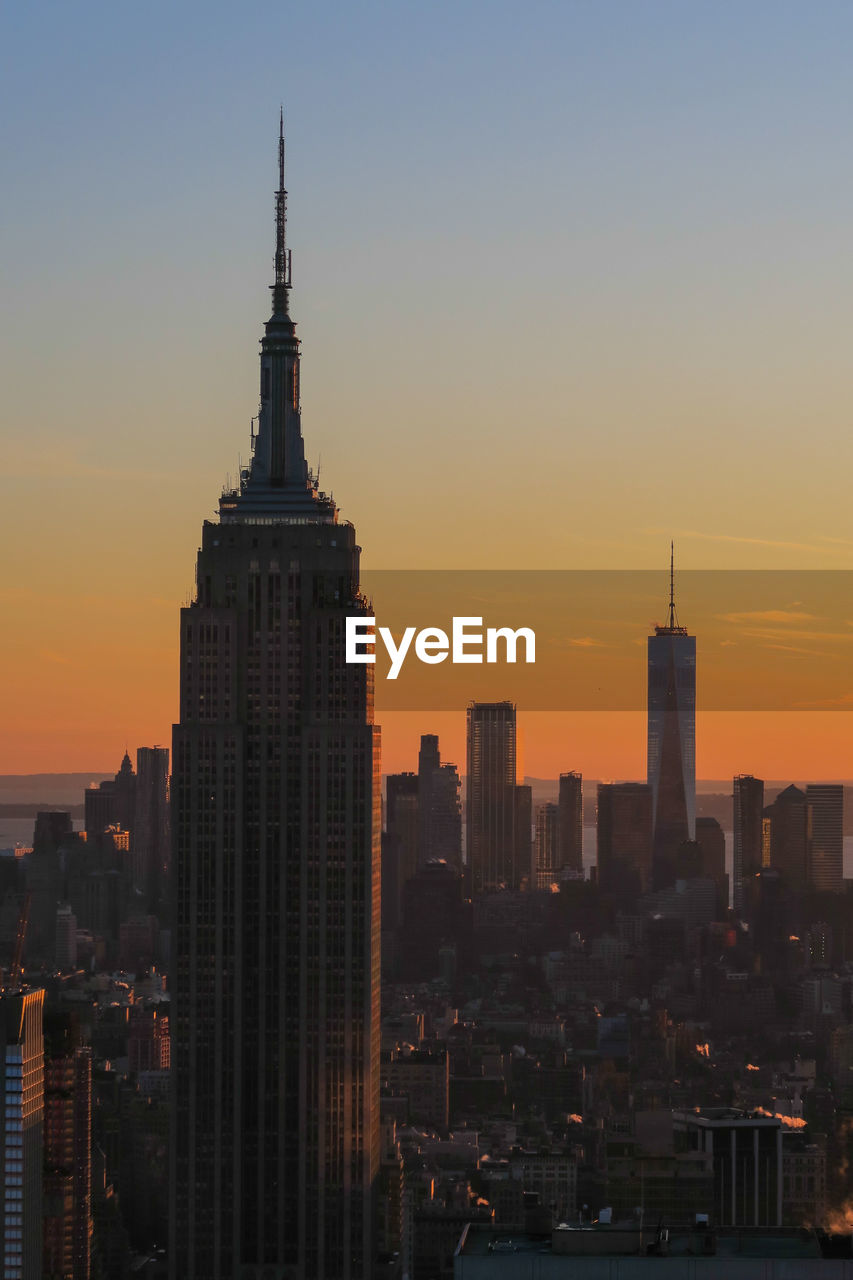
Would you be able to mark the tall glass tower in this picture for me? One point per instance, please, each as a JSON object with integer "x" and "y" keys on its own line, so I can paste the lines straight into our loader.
{"x": 276, "y": 829}
{"x": 671, "y": 756}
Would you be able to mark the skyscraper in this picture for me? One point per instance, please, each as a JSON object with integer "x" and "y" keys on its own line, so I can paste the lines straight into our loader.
{"x": 624, "y": 838}
{"x": 151, "y": 823}
{"x": 491, "y": 802}
{"x": 67, "y": 1148}
{"x": 112, "y": 802}
{"x": 570, "y": 838}
{"x": 671, "y": 738}
{"x": 439, "y": 807}
{"x": 22, "y": 1047}
{"x": 788, "y": 836}
{"x": 399, "y": 842}
{"x": 546, "y": 868}
{"x": 276, "y": 822}
{"x": 825, "y": 836}
{"x": 748, "y": 834}
{"x": 711, "y": 841}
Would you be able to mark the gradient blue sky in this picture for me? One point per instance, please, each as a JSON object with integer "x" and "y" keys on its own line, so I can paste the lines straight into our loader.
{"x": 569, "y": 280}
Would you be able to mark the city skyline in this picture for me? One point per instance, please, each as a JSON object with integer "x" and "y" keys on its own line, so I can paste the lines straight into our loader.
{"x": 619, "y": 207}
{"x": 428, "y": 963}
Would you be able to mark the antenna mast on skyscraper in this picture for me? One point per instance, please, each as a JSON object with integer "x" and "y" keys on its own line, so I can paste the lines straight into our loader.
{"x": 282, "y": 253}
{"x": 672, "y": 621}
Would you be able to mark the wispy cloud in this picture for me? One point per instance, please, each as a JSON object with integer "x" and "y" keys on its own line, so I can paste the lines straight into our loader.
{"x": 51, "y": 656}
{"x": 791, "y": 648}
{"x": 822, "y": 546}
{"x": 768, "y": 615}
{"x": 786, "y": 634}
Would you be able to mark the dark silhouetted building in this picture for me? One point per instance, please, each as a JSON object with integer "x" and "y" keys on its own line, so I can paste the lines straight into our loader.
{"x": 671, "y": 740}
{"x": 276, "y": 821}
{"x": 624, "y": 838}
{"x": 111, "y": 803}
{"x": 711, "y": 840}
{"x": 748, "y": 843}
{"x": 150, "y": 859}
{"x": 547, "y": 844}
{"x": 788, "y": 835}
{"x": 825, "y": 836}
{"x": 67, "y": 1149}
{"x": 570, "y": 838}
{"x": 439, "y": 807}
{"x": 524, "y": 835}
{"x": 746, "y": 1150}
{"x": 52, "y": 834}
{"x": 492, "y": 846}
{"x": 433, "y": 916}
{"x": 399, "y": 843}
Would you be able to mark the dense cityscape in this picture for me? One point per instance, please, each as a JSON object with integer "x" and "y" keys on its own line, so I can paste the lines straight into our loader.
{"x": 267, "y": 1014}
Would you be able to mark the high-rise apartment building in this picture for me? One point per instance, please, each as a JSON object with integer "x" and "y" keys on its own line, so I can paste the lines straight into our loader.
{"x": 524, "y": 835}
{"x": 825, "y": 836}
{"x": 671, "y": 757}
{"x": 493, "y": 837}
{"x": 570, "y": 837}
{"x": 748, "y": 834}
{"x": 150, "y": 857}
{"x": 546, "y": 861}
{"x": 67, "y": 1149}
{"x": 276, "y": 829}
{"x": 22, "y": 1047}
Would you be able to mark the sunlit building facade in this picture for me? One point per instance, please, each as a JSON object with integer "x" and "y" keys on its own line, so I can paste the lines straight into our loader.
{"x": 22, "y": 1045}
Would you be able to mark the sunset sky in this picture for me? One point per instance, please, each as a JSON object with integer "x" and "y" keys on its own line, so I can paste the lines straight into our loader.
{"x": 570, "y": 281}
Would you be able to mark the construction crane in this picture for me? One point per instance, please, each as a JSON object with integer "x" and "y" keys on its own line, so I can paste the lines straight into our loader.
{"x": 17, "y": 967}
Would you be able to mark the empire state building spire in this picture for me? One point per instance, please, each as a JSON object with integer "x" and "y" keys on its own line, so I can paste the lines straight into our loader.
{"x": 281, "y": 288}
{"x": 278, "y": 484}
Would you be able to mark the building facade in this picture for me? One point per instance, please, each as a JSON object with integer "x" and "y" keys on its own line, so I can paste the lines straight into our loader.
{"x": 68, "y": 1223}
{"x": 748, "y": 835}
{"x": 151, "y": 824}
{"x": 547, "y": 859}
{"x": 624, "y": 838}
{"x": 746, "y": 1151}
{"x": 825, "y": 836}
{"x": 439, "y": 807}
{"x": 276, "y": 829}
{"x": 570, "y": 801}
{"x": 23, "y": 1132}
{"x": 788, "y": 836}
{"x": 493, "y": 838}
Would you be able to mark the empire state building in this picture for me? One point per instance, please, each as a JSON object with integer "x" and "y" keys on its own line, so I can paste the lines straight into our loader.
{"x": 276, "y": 827}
